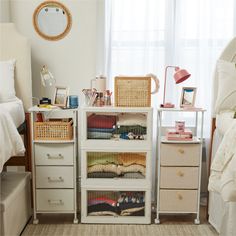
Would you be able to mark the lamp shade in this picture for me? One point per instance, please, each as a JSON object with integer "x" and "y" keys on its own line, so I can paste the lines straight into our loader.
{"x": 181, "y": 75}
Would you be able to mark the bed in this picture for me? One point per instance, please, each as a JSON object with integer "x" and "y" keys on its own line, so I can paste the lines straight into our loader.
{"x": 222, "y": 210}
{"x": 15, "y": 46}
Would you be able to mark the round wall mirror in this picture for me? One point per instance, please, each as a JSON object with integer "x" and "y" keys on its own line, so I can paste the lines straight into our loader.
{"x": 52, "y": 20}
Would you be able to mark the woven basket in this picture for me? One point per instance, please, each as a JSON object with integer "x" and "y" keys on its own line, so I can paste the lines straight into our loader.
{"x": 133, "y": 91}
{"x": 53, "y": 130}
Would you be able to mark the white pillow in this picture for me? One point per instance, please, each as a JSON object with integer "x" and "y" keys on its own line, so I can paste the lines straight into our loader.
{"x": 7, "y": 88}
{"x": 226, "y": 97}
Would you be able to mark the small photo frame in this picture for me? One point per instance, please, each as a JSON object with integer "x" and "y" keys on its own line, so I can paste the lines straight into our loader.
{"x": 188, "y": 97}
{"x": 60, "y": 96}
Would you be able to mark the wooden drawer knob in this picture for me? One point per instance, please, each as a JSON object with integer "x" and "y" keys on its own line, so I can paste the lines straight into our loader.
{"x": 180, "y": 173}
{"x": 180, "y": 197}
{"x": 181, "y": 151}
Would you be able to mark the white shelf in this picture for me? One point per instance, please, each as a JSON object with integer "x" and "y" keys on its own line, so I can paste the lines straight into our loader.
{"x": 181, "y": 109}
{"x": 115, "y": 184}
{"x": 53, "y": 141}
{"x": 102, "y": 144}
{"x": 194, "y": 140}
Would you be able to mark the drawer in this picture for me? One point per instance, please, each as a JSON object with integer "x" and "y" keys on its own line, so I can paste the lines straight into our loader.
{"x": 178, "y": 200}
{"x": 54, "y": 154}
{"x": 179, "y": 177}
{"x": 54, "y": 177}
{"x": 55, "y": 199}
{"x": 180, "y": 154}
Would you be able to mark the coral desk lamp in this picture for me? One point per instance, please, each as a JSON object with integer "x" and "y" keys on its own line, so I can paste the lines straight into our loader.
{"x": 180, "y": 75}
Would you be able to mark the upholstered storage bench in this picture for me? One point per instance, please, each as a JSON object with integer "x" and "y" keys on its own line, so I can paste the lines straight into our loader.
{"x": 15, "y": 202}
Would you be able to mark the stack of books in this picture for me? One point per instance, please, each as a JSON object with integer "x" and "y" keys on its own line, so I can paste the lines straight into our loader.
{"x": 185, "y": 135}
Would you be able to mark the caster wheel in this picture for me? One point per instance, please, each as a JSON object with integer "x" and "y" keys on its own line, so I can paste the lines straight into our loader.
{"x": 157, "y": 221}
{"x": 35, "y": 221}
{"x": 196, "y": 221}
{"x": 75, "y": 221}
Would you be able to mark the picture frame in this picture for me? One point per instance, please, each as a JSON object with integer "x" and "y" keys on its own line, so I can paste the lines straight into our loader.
{"x": 188, "y": 97}
{"x": 60, "y": 96}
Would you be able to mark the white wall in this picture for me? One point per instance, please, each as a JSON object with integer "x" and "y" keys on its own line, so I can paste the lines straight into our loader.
{"x": 71, "y": 60}
{"x": 4, "y": 11}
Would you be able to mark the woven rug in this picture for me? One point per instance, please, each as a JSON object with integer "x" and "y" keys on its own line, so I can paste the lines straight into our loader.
{"x": 121, "y": 230}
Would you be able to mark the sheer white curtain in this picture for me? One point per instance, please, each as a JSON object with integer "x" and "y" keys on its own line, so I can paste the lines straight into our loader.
{"x": 143, "y": 36}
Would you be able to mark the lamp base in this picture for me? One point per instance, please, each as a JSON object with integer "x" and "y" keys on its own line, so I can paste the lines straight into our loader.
{"x": 167, "y": 105}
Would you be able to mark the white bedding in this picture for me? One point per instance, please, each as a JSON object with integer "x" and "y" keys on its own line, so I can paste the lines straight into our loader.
{"x": 224, "y": 120}
{"x": 11, "y": 143}
{"x": 222, "y": 215}
{"x": 15, "y": 110}
{"x": 223, "y": 168}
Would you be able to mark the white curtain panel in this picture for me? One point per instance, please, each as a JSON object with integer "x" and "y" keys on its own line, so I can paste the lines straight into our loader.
{"x": 143, "y": 36}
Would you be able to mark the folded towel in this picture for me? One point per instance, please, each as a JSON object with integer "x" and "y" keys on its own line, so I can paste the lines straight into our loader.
{"x": 99, "y": 135}
{"x": 95, "y": 158}
{"x": 136, "y": 129}
{"x": 101, "y": 121}
{"x": 102, "y": 130}
{"x": 132, "y": 119}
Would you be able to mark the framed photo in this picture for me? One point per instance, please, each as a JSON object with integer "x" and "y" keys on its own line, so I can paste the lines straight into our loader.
{"x": 60, "y": 96}
{"x": 188, "y": 96}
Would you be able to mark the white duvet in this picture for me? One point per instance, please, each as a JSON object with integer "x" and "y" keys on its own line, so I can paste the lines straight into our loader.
{"x": 11, "y": 143}
{"x": 223, "y": 168}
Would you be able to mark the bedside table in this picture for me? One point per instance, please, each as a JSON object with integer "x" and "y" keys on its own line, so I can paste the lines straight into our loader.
{"x": 179, "y": 167}
{"x": 54, "y": 156}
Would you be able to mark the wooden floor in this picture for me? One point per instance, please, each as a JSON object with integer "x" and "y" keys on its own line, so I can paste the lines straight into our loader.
{"x": 56, "y": 225}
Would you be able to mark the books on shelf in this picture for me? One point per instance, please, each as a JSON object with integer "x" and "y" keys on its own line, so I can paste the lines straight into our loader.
{"x": 185, "y": 135}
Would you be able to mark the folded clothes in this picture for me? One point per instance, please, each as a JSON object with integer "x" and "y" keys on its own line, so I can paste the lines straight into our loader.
{"x": 103, "y": 175}
{"x": 102, "y": 130}
{"x": 135, "y": 129}
{"x": 104, "y": 168}
{"x": 131, "y": 168}
{"x": 94, "y": 158}
{"x": 101, "y": 121}
{"x": 132, "y": 119}
{"x": 133, "y": 212}
{"x": 102, "y": 207}
{"x": 133, "y": 175}
{"x": 100, "y": 200}
{"x": 123, "y": 206}
{"x": 103, "y": 213}
{"x": 128, "y": 159}
{"x": 117, "y": 169}
{"x": 99, "y": 135}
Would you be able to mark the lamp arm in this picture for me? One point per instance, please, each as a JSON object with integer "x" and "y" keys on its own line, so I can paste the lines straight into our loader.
{"x": 176, "y": 67}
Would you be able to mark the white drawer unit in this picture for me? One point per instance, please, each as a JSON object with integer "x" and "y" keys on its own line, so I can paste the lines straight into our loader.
{"x": 116, "y": 151}
{"x": 179, "y": 164}
{"x": 54, "y": 162}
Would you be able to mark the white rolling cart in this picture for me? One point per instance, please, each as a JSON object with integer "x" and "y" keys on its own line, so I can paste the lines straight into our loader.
{"x": 54, "y": 166}
{"x": 95, "y": 149}
{"x": 179, "y": 166}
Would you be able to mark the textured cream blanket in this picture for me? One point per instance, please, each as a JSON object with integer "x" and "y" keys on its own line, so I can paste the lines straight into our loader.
{"x": 11, "y": 143}
{"x": 223, "y": 168}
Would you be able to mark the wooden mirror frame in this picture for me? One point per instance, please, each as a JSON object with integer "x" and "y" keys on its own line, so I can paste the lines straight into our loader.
{"x": 69, "y": 20}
